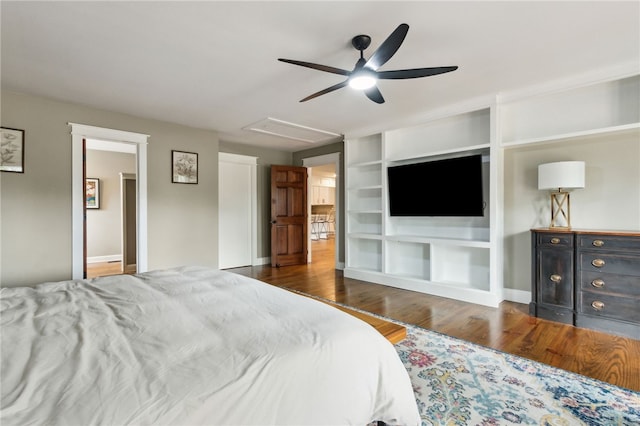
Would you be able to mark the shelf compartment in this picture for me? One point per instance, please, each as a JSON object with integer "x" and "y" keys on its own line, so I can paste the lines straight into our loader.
{"x": 429, "y": 155}
{"x": 615, "y": 131}
{"x": 449, "y": 229}
{"x": 466, "y": 267}
{"x": 577, "y": 111}
{"x": 364, "y": 253}
{"x": 408, "y": 259}
{"x": 365, "y": 199}
{"x": 365, "y": 176}
{"x": 365, "y": 222}
{"x": 446, "y": 135}
{"x": 364, "y": 150}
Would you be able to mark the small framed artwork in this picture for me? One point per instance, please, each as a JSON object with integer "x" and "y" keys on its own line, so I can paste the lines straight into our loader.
{"x": 92, "y": 193}
{"x": 11, "y": 150}
{"x": 184, "y": 167}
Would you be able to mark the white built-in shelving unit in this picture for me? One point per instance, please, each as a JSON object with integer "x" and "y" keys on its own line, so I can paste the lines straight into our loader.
{"x": 461, "y": 257}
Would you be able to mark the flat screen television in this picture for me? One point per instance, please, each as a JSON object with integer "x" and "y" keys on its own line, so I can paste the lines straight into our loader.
{"x": 446, "y": 187}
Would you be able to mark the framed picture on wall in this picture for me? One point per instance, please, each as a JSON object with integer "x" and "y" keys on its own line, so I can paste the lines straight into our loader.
{"x": 11, "y": 150}
{"x": 92, "y": 193}
{"x": 184, "y": 167}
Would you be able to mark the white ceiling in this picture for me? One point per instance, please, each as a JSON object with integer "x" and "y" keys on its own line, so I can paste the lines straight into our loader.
{"x": 213, "y": 65}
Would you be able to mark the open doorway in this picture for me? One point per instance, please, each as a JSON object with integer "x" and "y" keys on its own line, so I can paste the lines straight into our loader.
{"x": 79, "y": 134}
{"x": 110, "y": 217}
{"x": 323, "y": 212}
{"x": 323, "y": 208}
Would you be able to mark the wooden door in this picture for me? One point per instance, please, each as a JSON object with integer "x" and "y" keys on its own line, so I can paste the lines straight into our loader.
{"x": 288, "y": 215}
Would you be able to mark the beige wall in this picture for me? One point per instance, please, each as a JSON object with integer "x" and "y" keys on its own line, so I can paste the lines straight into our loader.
{"x": 35, "y": 207}
{"x": 104, "y": 225}
{"x": 610, "y": 199}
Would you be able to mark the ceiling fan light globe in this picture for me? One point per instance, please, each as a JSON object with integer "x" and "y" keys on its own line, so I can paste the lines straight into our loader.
{"x": 362, "y": 82}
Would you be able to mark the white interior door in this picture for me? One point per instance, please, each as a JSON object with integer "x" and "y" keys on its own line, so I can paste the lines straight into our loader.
{"x": 237, "y": 210}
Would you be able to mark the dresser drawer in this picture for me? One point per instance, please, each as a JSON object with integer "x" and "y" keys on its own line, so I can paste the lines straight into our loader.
{"x": 623, "y": 264}
{"x": 548, "y": 239}
{"x": 555, "y": 277}
{"x": 609, "y": 306}
{"x": 597, "y": 283}
{"x": 608, "y": 243}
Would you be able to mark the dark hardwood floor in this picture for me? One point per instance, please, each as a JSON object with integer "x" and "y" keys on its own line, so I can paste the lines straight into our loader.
{"x": 508, "y": 328}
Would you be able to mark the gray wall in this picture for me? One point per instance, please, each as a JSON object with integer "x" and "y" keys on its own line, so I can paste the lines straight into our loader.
{"x": 35, "y": 206}
{"x": 104, "y": 225}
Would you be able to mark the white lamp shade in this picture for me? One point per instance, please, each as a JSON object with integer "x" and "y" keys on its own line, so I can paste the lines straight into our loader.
{"x": 563, "y": 174}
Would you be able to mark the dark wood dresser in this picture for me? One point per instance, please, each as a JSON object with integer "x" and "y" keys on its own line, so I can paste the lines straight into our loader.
{"x": 587, "y": 278}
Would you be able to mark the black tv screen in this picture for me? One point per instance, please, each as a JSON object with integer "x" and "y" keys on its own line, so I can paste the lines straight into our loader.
{"x": 448, "y": 187}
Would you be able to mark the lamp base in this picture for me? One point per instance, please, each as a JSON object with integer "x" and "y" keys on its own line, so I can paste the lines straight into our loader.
{"x": 560, "y": 210}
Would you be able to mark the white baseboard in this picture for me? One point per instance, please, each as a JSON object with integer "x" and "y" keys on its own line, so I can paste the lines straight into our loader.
{"x": 100, "y": 259}
{"x": 262, "y": 261}
{"x": 517, "y": 296}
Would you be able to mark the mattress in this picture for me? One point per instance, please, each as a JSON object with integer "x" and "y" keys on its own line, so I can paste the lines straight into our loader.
{"x": 192, "y": 346}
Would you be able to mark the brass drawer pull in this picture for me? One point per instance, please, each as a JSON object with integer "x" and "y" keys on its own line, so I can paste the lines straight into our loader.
{"x": 598, "y": 283}
{"x": 597, "y": 243}
{"x": 597, "y": 305}
{"x": 555, "y": 240}
{"x": 555, "y": 278}
{"x": 598, "y": 263}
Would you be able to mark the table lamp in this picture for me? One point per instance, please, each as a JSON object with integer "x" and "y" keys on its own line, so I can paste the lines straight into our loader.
{"x": 560, "y": 178}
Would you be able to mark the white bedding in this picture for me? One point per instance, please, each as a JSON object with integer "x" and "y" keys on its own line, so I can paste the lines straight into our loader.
{"x": 192, "y": 346}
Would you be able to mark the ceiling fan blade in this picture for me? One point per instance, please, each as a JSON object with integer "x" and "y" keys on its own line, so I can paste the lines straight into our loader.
{"x": 325, "y": 91}
{"x": 374, "y": 94}
{"x": 325, "y": 68}
{"x": 388, "y": 48}
{"x": 414, "y": 73}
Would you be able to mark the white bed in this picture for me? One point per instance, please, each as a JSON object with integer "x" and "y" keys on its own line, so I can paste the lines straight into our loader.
{"x": 192, "y": 346}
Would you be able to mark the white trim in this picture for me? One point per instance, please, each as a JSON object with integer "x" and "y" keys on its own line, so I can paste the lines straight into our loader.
{"x": 263, "y": 261}
{"x": 237, "y": 158}
{"x": 78, "y": 133}
{"x": 518, "y": 296}
{"x": 103, "y": 133}
{"x": 321, "y": 160}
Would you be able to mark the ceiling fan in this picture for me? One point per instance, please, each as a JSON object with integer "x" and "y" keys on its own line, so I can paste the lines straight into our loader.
{"x": 365, "y": 74}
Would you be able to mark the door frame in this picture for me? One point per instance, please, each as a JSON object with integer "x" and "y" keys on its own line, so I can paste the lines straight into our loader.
{"x": 124, "y": 206}
{"x": 322, "y": 160}
{"x": 80, "y": 132}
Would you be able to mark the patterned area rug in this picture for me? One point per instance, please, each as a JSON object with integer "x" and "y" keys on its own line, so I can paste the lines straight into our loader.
{"x": 460, "y": 383}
